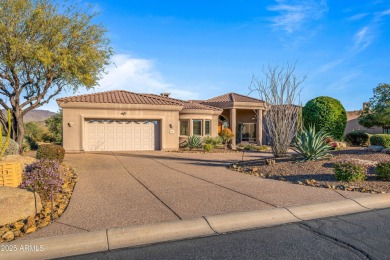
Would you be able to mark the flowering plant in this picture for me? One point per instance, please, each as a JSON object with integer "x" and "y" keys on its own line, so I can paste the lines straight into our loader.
{"x": 43, "y": 176}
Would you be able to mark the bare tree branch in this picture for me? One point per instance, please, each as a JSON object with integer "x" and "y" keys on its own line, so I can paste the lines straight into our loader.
{"x": 281, "y": 90}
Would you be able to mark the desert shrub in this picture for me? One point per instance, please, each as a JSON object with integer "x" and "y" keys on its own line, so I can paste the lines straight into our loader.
{"x": 382, "y": 170}
{"x": 51, "y": 152}
{"x": 42, "y": 176}
{"x": 311, "y": 145}
{"x": 357, "y": 137}
{"x": 208, "y": 147}
{"x": 34, "y": 130}
{"x": 327, "y": 114}
{"x": 54, "y": 124}
{"x": 33, "y": 145}
{"x": 380, "y": 139}
{"x": 350, "y": 171}
{"x": 13, "y": 147}
{"x": 226, "y": 135}
{"x": 194, "y": 141}
{"x": 49, "y": 137}
{"x": 25, "y": 146}
{"x": 214, "y": 141}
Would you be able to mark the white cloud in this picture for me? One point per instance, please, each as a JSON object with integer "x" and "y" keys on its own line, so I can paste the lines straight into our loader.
{"x": 330, "y": 65}
{"x": 363, "y": 38}
{"x": 139, "y": 75}
{"x": 357, "y": 17}
{"x": 293, "y": 14}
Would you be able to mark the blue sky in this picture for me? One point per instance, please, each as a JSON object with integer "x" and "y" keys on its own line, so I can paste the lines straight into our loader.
{"x": 201, "y": 49}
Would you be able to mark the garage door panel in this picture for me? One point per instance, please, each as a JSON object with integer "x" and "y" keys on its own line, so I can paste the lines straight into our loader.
{"x": 121, "y": 135}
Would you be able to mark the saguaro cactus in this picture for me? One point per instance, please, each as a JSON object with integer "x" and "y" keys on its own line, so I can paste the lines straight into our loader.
{"x": 4, "y": 146}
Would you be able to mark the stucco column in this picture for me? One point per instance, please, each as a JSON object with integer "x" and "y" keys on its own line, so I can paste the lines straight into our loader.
{"x": 233, "y": 126}
{"x": 259, "y": 127}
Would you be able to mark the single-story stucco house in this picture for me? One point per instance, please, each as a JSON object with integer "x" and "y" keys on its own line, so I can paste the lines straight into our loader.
{"x": 124, "y": 121}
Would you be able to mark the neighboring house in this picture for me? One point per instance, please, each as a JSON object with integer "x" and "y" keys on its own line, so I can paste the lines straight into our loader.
{"x": 353, "y": 124}
{"x": 123, "y": 121}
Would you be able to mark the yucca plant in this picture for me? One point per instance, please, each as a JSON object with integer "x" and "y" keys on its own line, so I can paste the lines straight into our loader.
{"x": 194, "y": 141}
{"x": 311, "y": 145}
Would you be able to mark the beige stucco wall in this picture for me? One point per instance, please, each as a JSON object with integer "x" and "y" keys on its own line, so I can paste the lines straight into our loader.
{"x": 75, "y": 114}
{"x": 353, "y": 124}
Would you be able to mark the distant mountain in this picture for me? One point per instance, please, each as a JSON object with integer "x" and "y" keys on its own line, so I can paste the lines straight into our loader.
{"x": 37, "y": 115}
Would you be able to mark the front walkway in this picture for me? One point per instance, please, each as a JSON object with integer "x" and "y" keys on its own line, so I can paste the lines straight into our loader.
{"x": 133, "y": 188}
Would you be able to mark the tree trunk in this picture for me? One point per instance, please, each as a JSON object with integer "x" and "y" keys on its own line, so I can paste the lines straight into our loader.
{"x": 18, "y": 127}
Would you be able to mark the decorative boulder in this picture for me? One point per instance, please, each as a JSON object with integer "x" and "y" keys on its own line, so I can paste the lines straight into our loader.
{"x": 375, "y": 148}
{"x": 16, "y": 204}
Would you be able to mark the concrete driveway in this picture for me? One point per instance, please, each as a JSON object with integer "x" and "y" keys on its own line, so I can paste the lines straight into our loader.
{"x": 133, "y": 188}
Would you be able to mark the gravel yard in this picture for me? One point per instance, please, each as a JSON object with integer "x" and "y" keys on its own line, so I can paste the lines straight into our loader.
{"x": 319, "y": 173}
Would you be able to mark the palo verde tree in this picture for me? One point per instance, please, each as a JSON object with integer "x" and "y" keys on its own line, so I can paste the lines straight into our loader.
{"x": 46, "y": 47}
{"x": 378, "y": 112}
{"x": 280, "y": 89}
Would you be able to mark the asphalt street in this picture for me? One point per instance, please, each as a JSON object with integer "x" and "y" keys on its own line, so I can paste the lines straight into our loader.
{"x": 357, "y": 236}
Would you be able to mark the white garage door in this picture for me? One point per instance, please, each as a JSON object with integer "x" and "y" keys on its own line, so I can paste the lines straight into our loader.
{"x": 121, "y": 135}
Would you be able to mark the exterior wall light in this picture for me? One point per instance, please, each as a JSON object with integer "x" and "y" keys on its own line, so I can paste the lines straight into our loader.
{"x": 70, "y": 124}
{"x": 123, "y": 113}
{"x": 170, "y": 125}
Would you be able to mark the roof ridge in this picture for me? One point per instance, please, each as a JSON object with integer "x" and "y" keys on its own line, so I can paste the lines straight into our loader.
{"x": 97, "y": 93}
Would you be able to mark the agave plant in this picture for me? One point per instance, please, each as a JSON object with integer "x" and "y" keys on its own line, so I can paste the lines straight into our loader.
{"x": 311, "y": 145}
{"x": 194, "y": 141}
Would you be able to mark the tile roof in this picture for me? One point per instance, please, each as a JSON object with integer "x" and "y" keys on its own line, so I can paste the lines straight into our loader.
{"x": 122, "y": 97}
{"x": 194, "y": 105}
{"x": 127, "y": 97}
{"x": 191, "y": 104}
{"x": 233, "y": 97}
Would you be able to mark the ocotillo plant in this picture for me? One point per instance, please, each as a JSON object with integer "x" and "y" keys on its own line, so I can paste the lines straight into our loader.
{"x": 4, "y": 146}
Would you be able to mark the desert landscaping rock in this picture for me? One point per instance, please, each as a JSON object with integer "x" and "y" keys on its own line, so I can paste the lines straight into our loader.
{"x": 321, "y": 173}
{"x": 16, "y": 204}
{"x": 28, "y": 224}
{"x": 375, "y": 148}
{"x": 386, "y": 150}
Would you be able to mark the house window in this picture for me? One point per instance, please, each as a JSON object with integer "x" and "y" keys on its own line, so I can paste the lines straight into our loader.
{"x": 207, "y": 127}
{"x": 197, "y": 127}
{"x": 184, "y": 128}
{"x": 248, "y": 132}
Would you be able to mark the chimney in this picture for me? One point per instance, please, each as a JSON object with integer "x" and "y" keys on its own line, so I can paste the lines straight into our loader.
{"x": 366, "y": 105}
{"x": 165, "y": 94}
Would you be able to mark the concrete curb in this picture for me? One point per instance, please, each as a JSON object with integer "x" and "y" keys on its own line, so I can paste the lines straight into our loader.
{"x": 249, "y": 220}
{"x": 148, "y": 234}
{"x": 115, "y": 238}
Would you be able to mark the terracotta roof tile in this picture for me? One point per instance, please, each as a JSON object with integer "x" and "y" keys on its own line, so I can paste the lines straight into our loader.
{"x": 191, "y": 104}
{"x": 197, "y": 106}
{"x": 122, "y": 97}
{"x": 233, "y": 97}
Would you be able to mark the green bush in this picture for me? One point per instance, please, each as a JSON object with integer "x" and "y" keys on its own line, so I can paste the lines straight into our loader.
{"x": 382, "y": 171}
{"x": 312, "y": 145}
{"x": 34, "y": 130}
{"x": 349, "y": 171}
{"x": 49, "y": 137}
{"x": 208, "y": 147}
{"x": 214, "y": 141}
{"x": 380, "y": 139}
{"x": 194, "y": 141}
{"x": 33, "y": 145}
{"x": 51, "y": 152}
{"x": 325, "y": 113}
{"x": 358, "y": 137}
{"x": 13, "y": 147}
